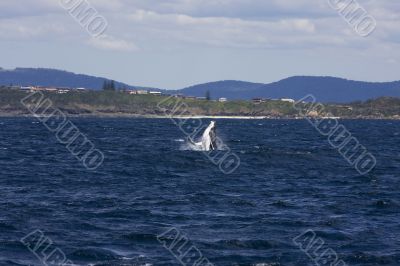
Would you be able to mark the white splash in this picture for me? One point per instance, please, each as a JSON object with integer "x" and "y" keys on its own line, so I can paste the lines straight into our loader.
{"x": 207, "y": 142}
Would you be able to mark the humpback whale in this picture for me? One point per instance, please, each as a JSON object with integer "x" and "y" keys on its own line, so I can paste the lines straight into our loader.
{"x": 209, "y": 138}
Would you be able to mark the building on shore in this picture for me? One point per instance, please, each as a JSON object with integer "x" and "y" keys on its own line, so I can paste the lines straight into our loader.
{"x": 223, "y": 100}
{"x": 27, "y": 89}
{"x": 190, "y": 97}
{"x": 142, "y": 92}
{"x": 262, "y": 100}
{"x": 44, "y": 88}
{"x": 288, "y": 100}
{"x": 63, "y": 91}
{"x": 258, "y": 100}
{"x": 59, "y": 90}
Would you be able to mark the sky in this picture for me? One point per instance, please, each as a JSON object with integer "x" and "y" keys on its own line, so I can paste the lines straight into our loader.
{"x": 172, "y": 44}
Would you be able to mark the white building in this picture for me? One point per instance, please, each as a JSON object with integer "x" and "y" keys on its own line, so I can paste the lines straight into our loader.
{"x": 222, "y": 100}
{"x": 288, "y": 100}
{"x": 28, "y": 89}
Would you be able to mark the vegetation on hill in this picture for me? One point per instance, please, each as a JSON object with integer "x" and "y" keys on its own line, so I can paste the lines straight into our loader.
{"x": 110, "y": 102}
{"x": 54, "y": 78}
{"x": 325, "y": 89}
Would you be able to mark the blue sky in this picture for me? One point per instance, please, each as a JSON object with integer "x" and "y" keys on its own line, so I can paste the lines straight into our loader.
{"x": 176, "y": 43}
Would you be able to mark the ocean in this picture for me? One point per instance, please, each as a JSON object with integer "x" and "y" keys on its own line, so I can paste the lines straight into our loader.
{"x": 292, "y": 200}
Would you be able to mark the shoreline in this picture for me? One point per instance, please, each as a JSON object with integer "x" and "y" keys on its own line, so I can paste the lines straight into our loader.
{"x": 238, "y": 117}
{"x": 117, "y": 105}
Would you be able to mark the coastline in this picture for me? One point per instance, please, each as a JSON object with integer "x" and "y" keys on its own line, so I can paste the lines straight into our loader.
{"x": 124, "y": 115}
{"x": 114, "y": 105}
{"x": 150, "y": 116}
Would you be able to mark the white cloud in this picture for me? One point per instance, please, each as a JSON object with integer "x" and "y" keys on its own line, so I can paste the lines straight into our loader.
{"x": 224, "y": 23}
{"x": 27, "y": 8}
{"x": 232, "y": 8}
{"x": 107, "y": 42}
{"x": 32, "y": 28}
{"x": 234, "y": 32}
{"x": 205, "y": 39}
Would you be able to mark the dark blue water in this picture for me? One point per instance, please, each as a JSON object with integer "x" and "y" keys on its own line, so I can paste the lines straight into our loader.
{"x": 290, "y": 180}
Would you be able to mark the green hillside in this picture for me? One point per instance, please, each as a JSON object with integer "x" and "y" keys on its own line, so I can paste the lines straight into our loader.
{"x": 118, "y": 103}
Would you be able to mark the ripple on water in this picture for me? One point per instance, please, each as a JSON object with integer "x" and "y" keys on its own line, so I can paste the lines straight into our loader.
{"x": 290, "y": 180}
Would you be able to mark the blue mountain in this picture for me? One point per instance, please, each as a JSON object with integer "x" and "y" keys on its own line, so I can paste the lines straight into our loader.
{"x": 325, "y": 89}
{"x": 53, "y": 77}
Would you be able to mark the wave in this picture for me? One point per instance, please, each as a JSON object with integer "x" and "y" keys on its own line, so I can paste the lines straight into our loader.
{"x": 142, "y": 238}
{"x": 190, "y": 146}
{"x": 93, "y": 254}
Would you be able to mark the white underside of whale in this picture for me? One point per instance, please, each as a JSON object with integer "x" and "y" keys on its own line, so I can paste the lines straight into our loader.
{"x": 206, "y": 142}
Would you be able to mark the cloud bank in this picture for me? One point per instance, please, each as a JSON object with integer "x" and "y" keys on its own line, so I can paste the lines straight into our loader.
{"x": 231, "y": 23}
{"x": 291, "y": 31}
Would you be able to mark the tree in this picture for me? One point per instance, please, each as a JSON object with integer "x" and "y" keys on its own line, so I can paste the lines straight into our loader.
{"x": 208, "y": 95}
{"x": 112, "y": 85}
{"x": 109, "y": 85}
{"x": 105, "y": 85}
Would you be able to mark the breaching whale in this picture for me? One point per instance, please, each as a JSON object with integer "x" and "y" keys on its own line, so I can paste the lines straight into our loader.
{"x": 209, "y": 138}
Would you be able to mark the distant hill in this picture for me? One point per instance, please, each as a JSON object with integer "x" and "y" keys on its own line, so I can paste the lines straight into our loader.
{"x": 53, "y": 77}
{"x": 227, "y": 88}
{"x": 325, "y": 89}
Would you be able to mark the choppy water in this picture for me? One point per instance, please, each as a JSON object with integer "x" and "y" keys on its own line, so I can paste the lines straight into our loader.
{"x": 290, "y": 180}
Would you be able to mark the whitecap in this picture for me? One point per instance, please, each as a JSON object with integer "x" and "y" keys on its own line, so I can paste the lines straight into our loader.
{"x": 188, "y": 146}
